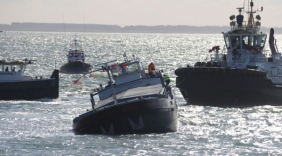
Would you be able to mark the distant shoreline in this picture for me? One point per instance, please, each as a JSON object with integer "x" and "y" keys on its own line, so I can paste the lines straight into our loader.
{"x": 60, "y": 27}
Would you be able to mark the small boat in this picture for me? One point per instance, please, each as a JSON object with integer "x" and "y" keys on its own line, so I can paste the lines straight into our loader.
{"x": 76, "y": 60}
{"x": 243, "y": 75}
{"x": 135, "y": 103}
{"x": 16, "y": 86}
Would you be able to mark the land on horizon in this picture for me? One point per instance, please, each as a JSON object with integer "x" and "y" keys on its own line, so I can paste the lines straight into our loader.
{"x": 61, "y": 27}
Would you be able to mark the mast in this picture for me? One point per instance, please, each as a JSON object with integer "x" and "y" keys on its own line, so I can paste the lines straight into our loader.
{"x": 251, "y": 17}
{"x": 112, "y": 86}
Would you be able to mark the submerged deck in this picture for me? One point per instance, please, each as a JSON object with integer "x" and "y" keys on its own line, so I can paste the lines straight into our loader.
{"x": 134, "y": 93}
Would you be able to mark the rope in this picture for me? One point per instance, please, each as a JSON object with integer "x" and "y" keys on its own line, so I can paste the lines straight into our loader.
{"x": 184, "y": 78}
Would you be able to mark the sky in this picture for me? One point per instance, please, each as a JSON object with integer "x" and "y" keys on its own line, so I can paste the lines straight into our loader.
{"x": 135, "y": 12}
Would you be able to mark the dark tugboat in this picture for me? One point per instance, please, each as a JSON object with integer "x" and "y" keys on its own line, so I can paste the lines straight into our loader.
{"x": 16, "y": 86}
{"x": 76, "y": 60}
{"x": 242, "y": 76}
{"x": 135, "y": 103}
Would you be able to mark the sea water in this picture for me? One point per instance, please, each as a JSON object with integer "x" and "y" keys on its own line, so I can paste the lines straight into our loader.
{"x": 44, "y": 126}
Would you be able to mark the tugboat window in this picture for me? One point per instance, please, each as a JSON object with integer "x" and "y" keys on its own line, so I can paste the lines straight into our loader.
{"x": 262, "y": 41}
{"x": 245, "y": 41}
{"x": 227, "y": 42}
{"x": 235, "y": 41}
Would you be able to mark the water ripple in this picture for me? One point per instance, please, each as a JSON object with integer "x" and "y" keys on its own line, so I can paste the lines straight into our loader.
{"x": 44, "y": 127}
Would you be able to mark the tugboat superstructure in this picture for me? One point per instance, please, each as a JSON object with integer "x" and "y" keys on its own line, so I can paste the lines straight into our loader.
{"x": 75, "y": 60}
{"x": 243, "y": 75}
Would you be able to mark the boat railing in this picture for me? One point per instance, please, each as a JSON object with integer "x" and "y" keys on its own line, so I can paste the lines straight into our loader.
{"x": 211, "y": 57}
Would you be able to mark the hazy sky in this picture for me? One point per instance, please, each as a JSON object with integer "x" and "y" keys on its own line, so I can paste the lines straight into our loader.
{"x": 135, "y": 12}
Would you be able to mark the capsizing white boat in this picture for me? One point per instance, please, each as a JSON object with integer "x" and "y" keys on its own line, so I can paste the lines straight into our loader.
{"x": 132, "y": 103}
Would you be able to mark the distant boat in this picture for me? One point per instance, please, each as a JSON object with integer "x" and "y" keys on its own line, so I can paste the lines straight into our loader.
{"x": 135, "y": 104}
{"x": 76, "y": 60}
{"x": 16, "y": 86}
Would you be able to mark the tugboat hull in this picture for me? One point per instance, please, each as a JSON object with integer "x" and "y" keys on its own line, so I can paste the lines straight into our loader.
{"x": 138, "y": 117}
{"x": 222, "y": 87}
{"x": 31, "y": 89}
{"x": 76, "y": 67}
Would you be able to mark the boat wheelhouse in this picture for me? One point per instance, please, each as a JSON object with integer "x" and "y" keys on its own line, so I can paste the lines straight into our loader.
{"x": 13, "y": 71}
{"x": 17, "y": 86}
{"x": 75, "y": 52}
{"x": 125, "y": 75}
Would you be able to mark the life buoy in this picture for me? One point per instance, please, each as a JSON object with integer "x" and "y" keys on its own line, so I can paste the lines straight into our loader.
{"x": 257, "y": 48}
{"x": 254, "y": 49}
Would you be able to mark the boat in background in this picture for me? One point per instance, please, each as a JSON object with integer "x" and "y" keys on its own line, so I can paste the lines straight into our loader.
{"x": 16, "y": 86}
{"x": 243, "y": 75}
{"x": 76, "y": 60}
{"x": 136, "y": 103}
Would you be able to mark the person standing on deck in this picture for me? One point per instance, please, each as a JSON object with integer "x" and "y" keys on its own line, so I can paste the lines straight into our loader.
{"x": 166, "y": 79}
{"x": 151, "y": 68}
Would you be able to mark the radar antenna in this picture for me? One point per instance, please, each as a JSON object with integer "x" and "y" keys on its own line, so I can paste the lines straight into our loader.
{"x": 240, "y": 10}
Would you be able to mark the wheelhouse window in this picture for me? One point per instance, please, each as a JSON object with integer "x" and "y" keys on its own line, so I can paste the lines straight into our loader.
{"x": 263, "y": 39}
{"x": 124, "y": 68}
{"x": 253, "y": 41}
{"x": 235, "y": 41}
{"x": 7, "y": 68}
{"x": 133, "y": 67}
{"x": 17, "y": 68}
{"x": 227, "y": 42}
{"x": 115, "y": 70}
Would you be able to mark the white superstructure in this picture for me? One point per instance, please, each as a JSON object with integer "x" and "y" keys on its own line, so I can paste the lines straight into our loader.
{"x": 244, "y": 47}
{"x": 75, "y": 52}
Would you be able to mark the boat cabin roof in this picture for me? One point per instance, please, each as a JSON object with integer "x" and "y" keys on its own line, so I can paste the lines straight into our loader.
{"x": 76, "y": 52}
{"x": 13, "y": 63}
{"x": 133, "y": 93}
{"x": 75, "y": 46}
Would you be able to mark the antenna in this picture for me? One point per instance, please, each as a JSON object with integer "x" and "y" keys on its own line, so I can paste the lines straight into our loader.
{"x": 83, "y": 23}
{"x": 64, "y": 24}
{"x": 125, "y": 57}
{"x": 244, "y": 7}
{"x": 248, "y": 4}
{"x": 240, "y": 10}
